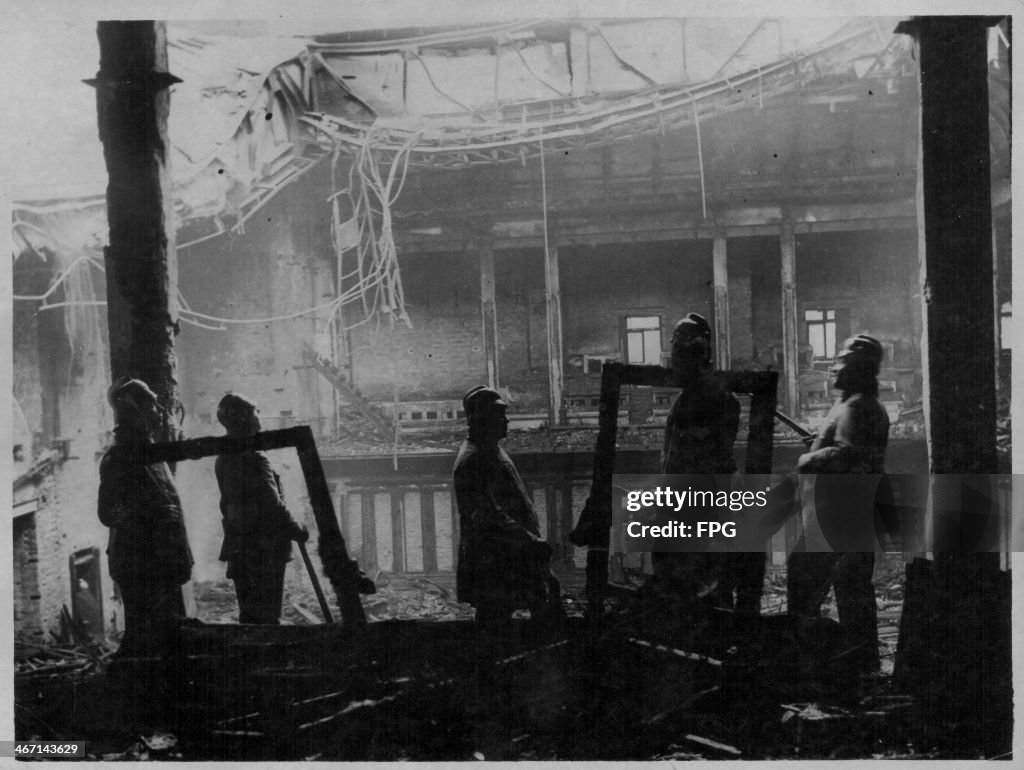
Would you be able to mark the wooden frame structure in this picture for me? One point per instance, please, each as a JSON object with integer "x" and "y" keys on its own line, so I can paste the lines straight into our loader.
{"x": 338, "y": 566}
{"x": 593, "y": 528}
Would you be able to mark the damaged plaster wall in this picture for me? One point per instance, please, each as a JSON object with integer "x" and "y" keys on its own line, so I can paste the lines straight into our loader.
{"x": 602, "y": 285}
{"x": 441, "y": 356}
{"x": 65, "y": 521}
{"x": 871, "y": 273}
{"x": 60, "y": 386}
{"x": 522, "y": 327}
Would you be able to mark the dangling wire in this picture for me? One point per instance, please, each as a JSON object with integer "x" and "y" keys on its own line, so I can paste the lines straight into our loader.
{"x": 367, "y": 230}
{"x": 394, "y": 380}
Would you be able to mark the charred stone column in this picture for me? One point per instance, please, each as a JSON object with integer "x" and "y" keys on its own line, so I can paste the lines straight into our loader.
{"x": 955, "y": 651}
{"x": 553, "y": 297}
{"x": 488, "y": 311}
{"x": 133, "y": 102}
{"x": 787, "y": 244}
{"x": 955, "y": 213}
{"x": 719, "y": 256}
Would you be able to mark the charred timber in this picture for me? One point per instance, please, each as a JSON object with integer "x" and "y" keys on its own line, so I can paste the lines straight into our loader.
{"x": 133, "y": 103}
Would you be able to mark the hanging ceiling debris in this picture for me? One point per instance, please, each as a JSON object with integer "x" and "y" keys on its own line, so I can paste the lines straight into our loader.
{"x": 507, "y": 93}
{"x": 254, "y": 114}
{"x": 232, "y": 127}
{"x": 567, "y": 107}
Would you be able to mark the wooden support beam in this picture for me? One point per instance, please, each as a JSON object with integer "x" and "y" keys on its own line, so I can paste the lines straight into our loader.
{"x": 553, "y": 297}
{"x": 787, "y": 240}
{"x": 723, "y": 354}
{"x": 398, "y": 563}
{"x": 429, "y": 531}
{"x": 369, "y": 515}
{"x": 133, "y": 102}
{"x": 996, "y": 325}
{"x": 488, "y": 312}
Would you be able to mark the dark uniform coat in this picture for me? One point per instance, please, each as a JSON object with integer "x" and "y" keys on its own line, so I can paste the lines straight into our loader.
{"x": 701, "y": 430}
{"x": 258, "y": 530}
{"x": 257, "y": 524}
{"x": 836, "y": 548}
{"x": 838, "y": 513}
{"x": 148, "y": 551}
{"x": 699, "y": 437}
{"x": 139, "y": 503}
{"x": 498, "y": 562}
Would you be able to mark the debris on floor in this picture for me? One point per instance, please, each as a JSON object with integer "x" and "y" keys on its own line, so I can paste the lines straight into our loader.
{"x": 421, "y": 683}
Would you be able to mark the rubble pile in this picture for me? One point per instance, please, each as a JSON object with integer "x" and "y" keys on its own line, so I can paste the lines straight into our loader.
{"x": 420, "y": 683}
{"x": 33, "y": 662}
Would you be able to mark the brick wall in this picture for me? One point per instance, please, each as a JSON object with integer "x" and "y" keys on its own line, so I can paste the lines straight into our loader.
{"x": 274, "y": 269}
{"x": 66, "y": 520}
{"x": 602, "y": 285}
{"x": 741, "y": 330}
{"x": 522, "y": 327}
{"x": 27, "y": 626}
{"x": 442, "y": 355}
{"x": 751, "y": 303}
{"x": 765, "y": 304}
{"x": 874, "y": 275}
{"x": 266, "y": 273}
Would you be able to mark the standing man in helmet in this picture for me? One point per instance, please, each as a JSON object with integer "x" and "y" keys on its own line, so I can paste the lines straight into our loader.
{"x": 839, "y": 510}
{"x": 699, "y": 436}
{"x": 258, "y": 528}
{"x": 148, "y": 552}
{"x": 503, "y": 563}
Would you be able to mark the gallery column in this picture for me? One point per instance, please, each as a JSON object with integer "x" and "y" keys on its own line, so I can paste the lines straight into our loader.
{"x": 719, "y": 253}
{"x": 488, "y": 312}
{"x": 787, "y": 243}
{"x": 133, "y": 101}
{"x": 955, "y": 639}
{"x": 553, "y": 303}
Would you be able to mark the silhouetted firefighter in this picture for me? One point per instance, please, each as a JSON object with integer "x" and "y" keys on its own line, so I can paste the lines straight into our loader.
{"x": 503, "y": 562}
{"x": 258, "y": 527}
{"x": 148, "y": 553}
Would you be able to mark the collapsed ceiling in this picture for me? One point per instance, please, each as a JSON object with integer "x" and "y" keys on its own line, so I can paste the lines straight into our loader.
{"x": 253, "y": 114}
{"x": 471, "y": 102}
{"x": 485, "y": 93}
